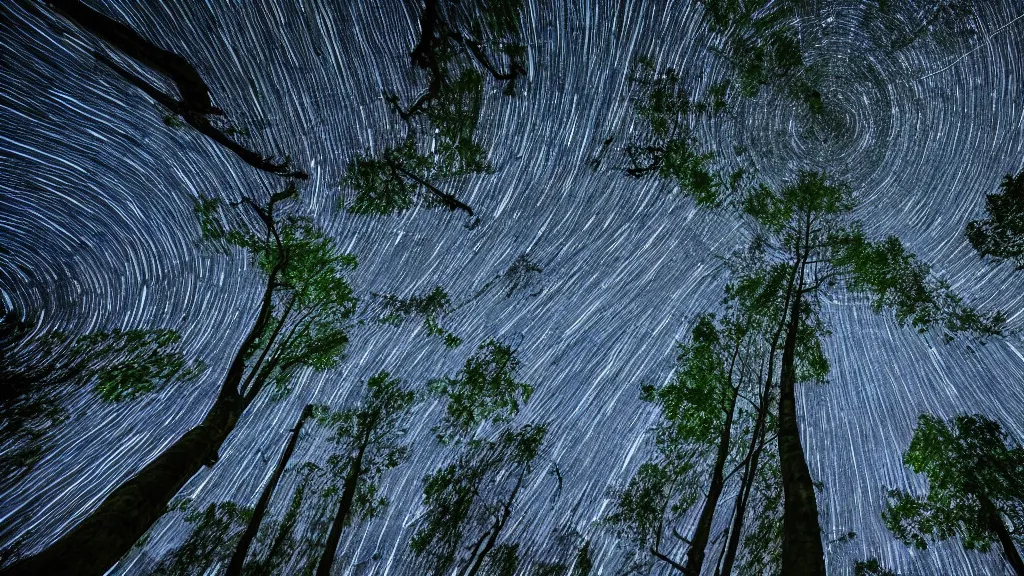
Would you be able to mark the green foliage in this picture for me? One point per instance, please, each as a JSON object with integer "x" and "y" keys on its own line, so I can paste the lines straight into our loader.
{"x": 668, "y": 149}
{"x": 125, "y": 364}
{"x": 658, "y": 494}
{"x": 308, "y": 299}
{"x": 484, "y": 390}
{"x": 809, "y": 220}
{"x": 762, "y": 545}
{"x": 871, "y": 567}
{"x": 468, "y": 495}
{"x": 975, "y": 478}
{"x": 374, "y": 431}
{"x": 215, "y": 532}
{"x": 439, "y": 144}
{"x": 503, "y": 561}
{"x": 1001, "y": 235}
{"x": 584, "y": 564}
{"x": 896, "y": 280}
{"x": 429, "y": 306}
{"x": 693, "y": 403}
{"x": 39, "y": 375}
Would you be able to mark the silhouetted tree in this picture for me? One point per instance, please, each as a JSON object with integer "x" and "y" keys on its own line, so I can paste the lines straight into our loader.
{"x": 975, "y": 487}
{"x": 807, "y": 226}
{"x": 370, "y": 435}
{"x": 253, "y": 526}
{"x": 39, "y": 376}
{"x": 668, "y": 148}
{"x": 215, "y": 530}
{"x": 193, "y": 104}
{"x": 470, "y": 501}
{"x": 302, "y": 321}
{"x": 1001, "y": 235}
{"x": 439, "y": 144}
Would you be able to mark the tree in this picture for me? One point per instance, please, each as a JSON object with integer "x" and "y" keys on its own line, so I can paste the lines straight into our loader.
{"x": 439, "y": 143}
{"x": 370, "y": 436}
{"x": 193, "y": 104}
{"x": 120, "y": 365}
{"x": 669, "y": 149}
{"x": 470, "y": 501}
{"x": 484, "y": 390}
{"x": 1001, "y": 235}
{"x": 302, "y": 320}
{"x": 807, "y": 229}
{"x": 253, "y": 526}
{"x": 215, "y": 529}
{"x": 975, "y": 487}
{"x": 428, "y": 306}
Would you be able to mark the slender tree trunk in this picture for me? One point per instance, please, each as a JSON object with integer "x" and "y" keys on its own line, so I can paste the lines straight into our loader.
{"x": 802, "y": 553}
{"x": 98, "y": 542}
{"x": 997, "y": 525}
{"x": 344, "y": 509}
{"x": 699, "y": 542}
{"x": 499, "y": 524}
{"x": 242, "y": 550}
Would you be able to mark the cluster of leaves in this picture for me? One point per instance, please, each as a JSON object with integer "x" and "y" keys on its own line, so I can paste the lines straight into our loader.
{"x": 474, "y": 491}
{"x": 214, "y": 535}
{"x": 907, "y": 21}
{"x": 871, "y": 567}
{"x": 810, "y": 220}
{"x": 371, "y": 432}
{"x": 440, "y": 142}
{"x": 1001, "y": 235}
{"x": 762, "y": 48}
{"x": 975, "y": 478}
{"x": 896, "y": 280}
{"x": 430, "y": 306}
{"x": 120, "y": 365}
{"x": 668, "y": 149}
{"x": 484, "y": 390}
{"x": 311, "y": 299}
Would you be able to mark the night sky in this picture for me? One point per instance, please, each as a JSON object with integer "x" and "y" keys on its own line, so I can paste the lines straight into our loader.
{"x": 97, "y": 232}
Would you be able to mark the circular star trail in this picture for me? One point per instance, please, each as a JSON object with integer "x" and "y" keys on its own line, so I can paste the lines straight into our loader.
{"x": 96, "y": 231}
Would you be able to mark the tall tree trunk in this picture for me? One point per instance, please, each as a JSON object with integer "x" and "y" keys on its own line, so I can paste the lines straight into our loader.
{"x": 344, "y": 509}
{"x": 802, "y": 553}
{"x": 93, "y": 546}
{"x": 242, "y": 550}
{"x": 699, "y": 542}
{"x": 108, "y": 533}
{"x": 997, "y": 525}
{"x": 746, "y": 484}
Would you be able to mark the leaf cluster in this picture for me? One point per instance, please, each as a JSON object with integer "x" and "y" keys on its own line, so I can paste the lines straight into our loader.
{"x": 430, "y": 306}
{"x": 484, "y": 390}
{"x": 1001, "y": 235}
{"x": 974, "y": 476}
{"x": 475, "y": 487}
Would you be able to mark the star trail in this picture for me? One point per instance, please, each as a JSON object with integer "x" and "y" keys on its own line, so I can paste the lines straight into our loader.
{"x": 97, "y": 232}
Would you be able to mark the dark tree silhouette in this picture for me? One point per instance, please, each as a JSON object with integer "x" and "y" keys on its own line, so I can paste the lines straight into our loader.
{"x": 302, "y": 321}
{"x": 808, "y": 222}
{"x": 193, "y": 104}
{"x": 439, "y": 144}
{"x": 1001, "y": 235}
{"x": 371, "y": 436}
{"x": 253, "y": 526}
{"x": 975, "y": 487}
